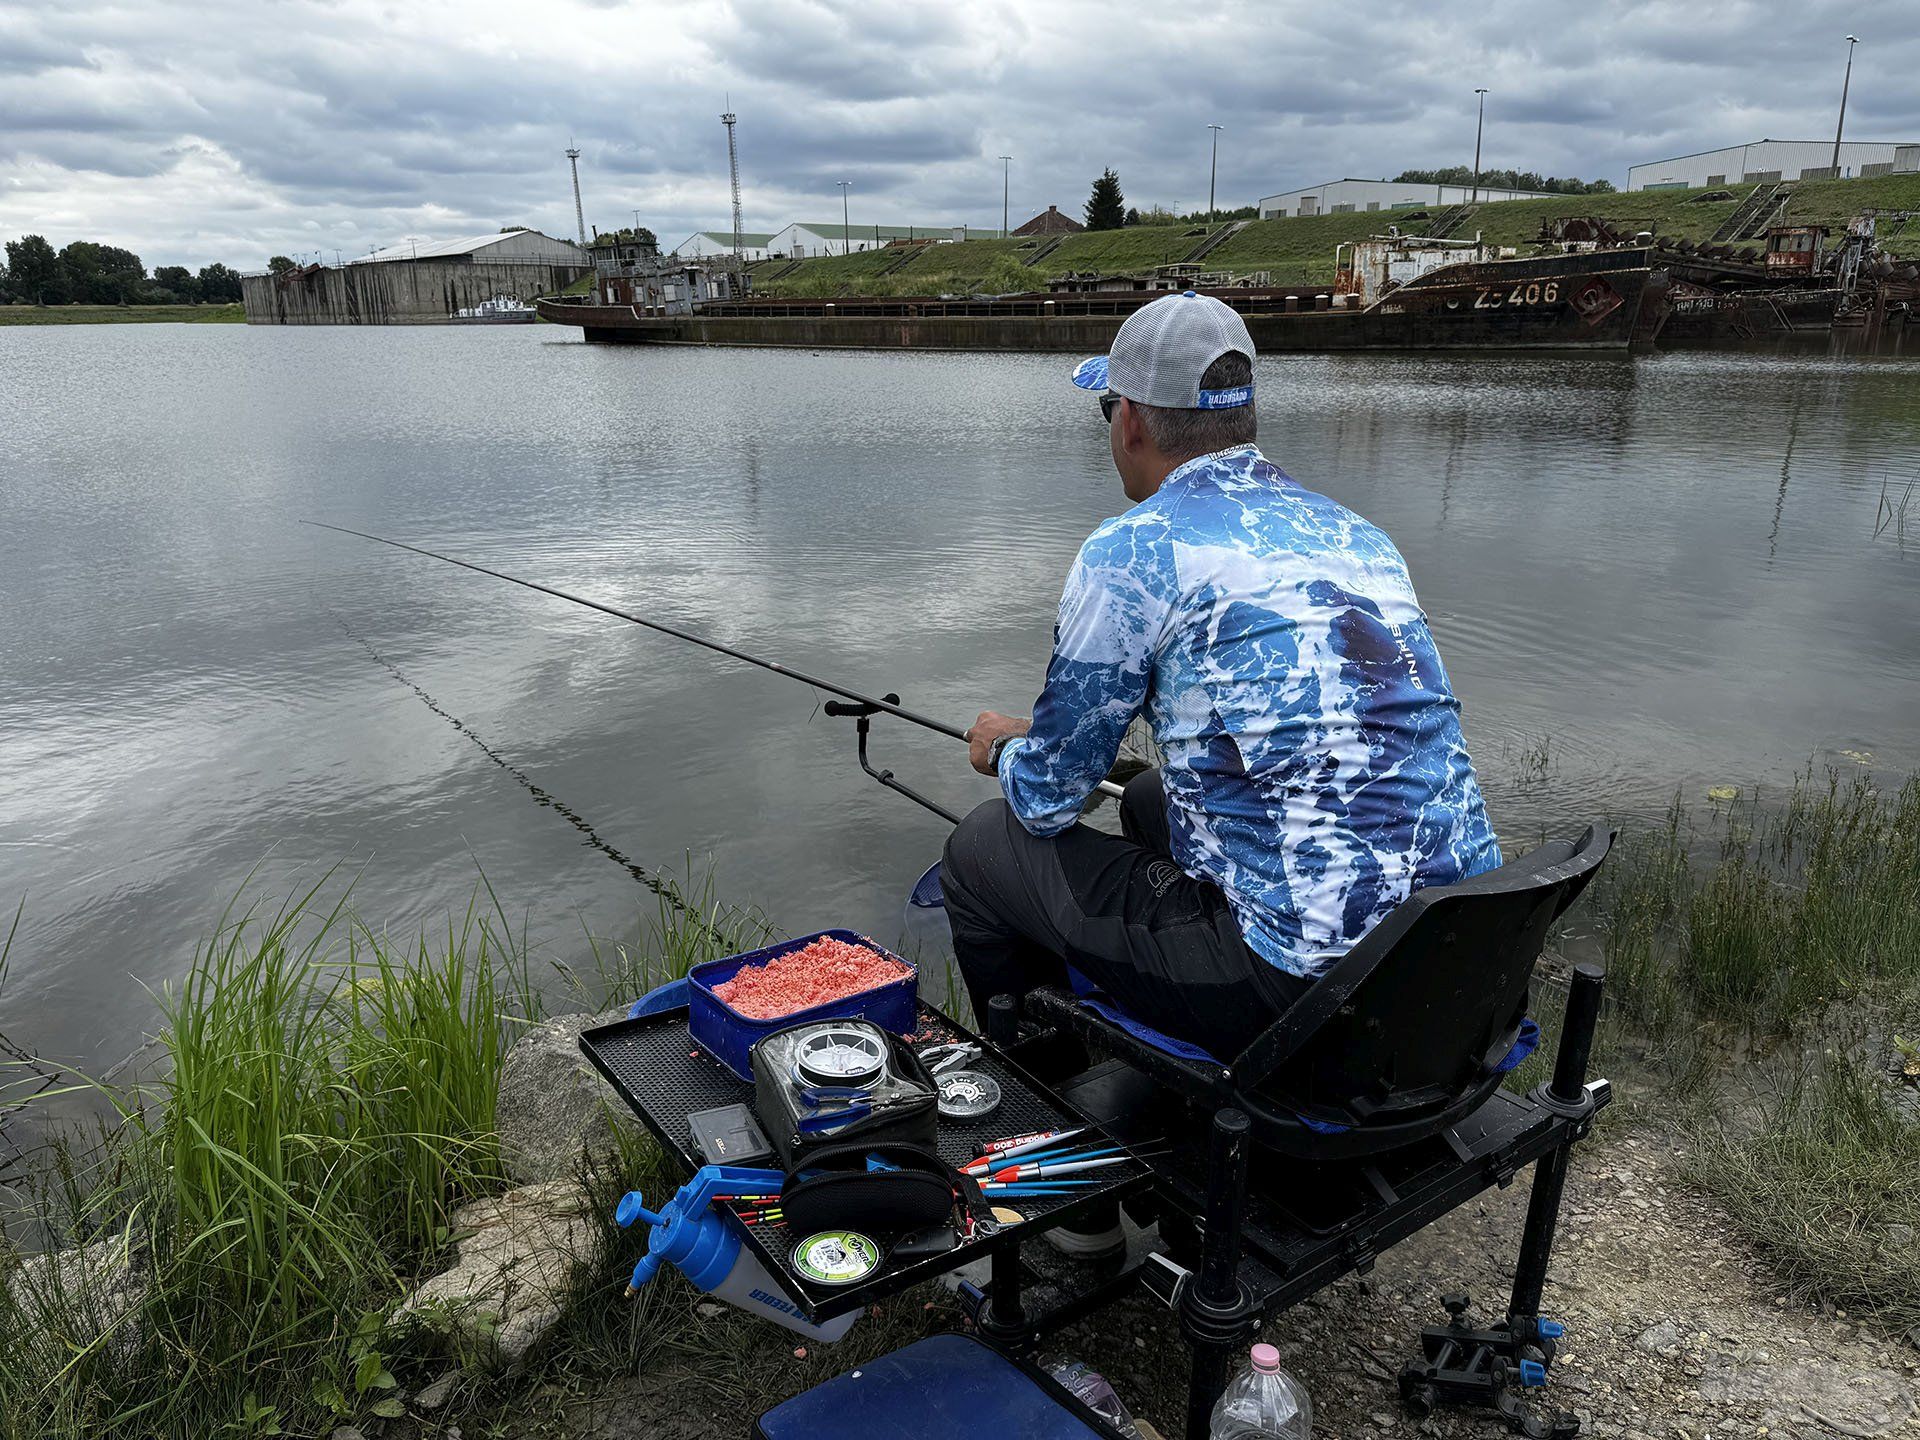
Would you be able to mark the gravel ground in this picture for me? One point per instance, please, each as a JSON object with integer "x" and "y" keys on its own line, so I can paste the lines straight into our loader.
{"x": 1673, "y": 1333}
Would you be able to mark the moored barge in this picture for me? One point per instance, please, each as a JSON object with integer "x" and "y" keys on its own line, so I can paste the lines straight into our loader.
{"x": 1390, "y": 293}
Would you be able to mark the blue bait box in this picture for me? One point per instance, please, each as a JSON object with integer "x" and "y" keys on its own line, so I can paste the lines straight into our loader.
{"x": 727, "y": 1035}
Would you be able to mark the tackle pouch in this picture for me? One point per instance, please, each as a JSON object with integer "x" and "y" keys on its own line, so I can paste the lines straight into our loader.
{"x": 803, "y": 1115}
{"x": 873, "y": 1187}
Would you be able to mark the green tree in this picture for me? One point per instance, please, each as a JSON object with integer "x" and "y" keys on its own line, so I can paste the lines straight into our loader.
{"x": 37, "y": 277}
{"x": 103, "y": 274}
{"x": 281, "y": 264}
{"x": 178, "y": 282}
{"x": 1106, "y": 207}
{"x": 1132, "y": 217}
{"x": 1507, "y": 180}
{"x": 218, "y": 285}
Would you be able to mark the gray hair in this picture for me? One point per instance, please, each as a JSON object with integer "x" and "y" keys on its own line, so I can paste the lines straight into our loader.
{"x": 1182, "y": 434}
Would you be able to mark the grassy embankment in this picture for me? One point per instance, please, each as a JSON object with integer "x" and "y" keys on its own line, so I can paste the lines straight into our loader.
{"x": 122, "y": 314}
{"x": 1299, "y": 250}
{"x": 328, "y": 1097}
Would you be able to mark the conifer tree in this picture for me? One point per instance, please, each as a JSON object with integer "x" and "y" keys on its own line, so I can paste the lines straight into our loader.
{"x": 1107, "y": 207}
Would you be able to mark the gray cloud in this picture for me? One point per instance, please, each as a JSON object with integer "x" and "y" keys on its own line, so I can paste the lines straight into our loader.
{"x": 228, "y": 130}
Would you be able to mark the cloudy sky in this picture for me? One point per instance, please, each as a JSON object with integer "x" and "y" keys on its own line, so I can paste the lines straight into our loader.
{"x": 234, "y": 129}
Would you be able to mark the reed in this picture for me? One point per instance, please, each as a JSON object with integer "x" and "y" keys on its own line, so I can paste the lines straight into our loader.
{"x": 325, "y": 1098}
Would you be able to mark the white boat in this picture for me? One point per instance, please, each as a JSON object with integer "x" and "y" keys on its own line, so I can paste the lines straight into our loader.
{"x": 500, "y": 310}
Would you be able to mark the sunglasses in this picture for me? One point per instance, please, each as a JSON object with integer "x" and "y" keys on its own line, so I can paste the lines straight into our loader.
{"x": 1108, "y": 403}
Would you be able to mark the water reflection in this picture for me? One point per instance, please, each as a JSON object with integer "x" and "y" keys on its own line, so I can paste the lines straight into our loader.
{"x": 1608, "y": 549}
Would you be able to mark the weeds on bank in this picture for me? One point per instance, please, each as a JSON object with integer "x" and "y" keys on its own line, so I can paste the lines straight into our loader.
{"x": 1785, "y": 934}
{"x": 1798, "y": 905}
{"x": 225, "y": 1253}
{"x": 325, "y": 1098}
{"x": 1827, "y": 1186}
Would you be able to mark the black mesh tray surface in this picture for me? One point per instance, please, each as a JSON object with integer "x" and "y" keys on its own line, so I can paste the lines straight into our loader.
{"x": 664, "y": 1077}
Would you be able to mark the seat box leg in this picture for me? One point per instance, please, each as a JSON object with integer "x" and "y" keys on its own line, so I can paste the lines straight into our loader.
{"x": 1217, "y": 1312}
{"x": 1566, "y": 1094}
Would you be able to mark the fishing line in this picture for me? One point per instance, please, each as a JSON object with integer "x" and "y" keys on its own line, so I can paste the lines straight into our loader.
{"x": 659, "y": 885}
{"x": 886, "y": 706}
{"x": 872, "y": 703}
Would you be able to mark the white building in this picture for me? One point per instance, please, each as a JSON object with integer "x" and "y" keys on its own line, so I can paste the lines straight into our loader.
{"x": 1763, "y": 160}
{"x": 1340, "y": 197}
{"x": 710, "y": 244}
{"x": 803, "y": 239}
{"x": 502, "y": 247}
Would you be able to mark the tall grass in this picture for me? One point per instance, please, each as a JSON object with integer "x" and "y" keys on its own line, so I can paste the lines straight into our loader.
{"x": 1825, "y": 1187}
{"x": 1796, "y": 903}
{"x": 325, "y": 1098}
{"x": 1768, "y": 959}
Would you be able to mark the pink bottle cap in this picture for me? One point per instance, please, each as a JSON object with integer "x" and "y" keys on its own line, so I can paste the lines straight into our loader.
{"x": 1266, "y": 1359}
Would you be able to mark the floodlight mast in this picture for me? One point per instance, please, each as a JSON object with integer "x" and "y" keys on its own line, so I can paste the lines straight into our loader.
{"x": 733, "y": 173}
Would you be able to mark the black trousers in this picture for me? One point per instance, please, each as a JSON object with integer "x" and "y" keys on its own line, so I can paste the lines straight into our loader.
{"x": 1164, "y": 945}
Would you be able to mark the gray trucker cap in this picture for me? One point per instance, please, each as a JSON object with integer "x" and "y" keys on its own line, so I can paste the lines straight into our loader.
{"x": 1165, "y": 347}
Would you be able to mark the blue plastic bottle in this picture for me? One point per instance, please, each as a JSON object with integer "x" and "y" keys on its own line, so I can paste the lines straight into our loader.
{"x": 689, "y": 1235}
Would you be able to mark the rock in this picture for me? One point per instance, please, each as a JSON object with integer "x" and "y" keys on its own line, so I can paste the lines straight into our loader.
{"x": 347, "y": 1432}
{"x": 553, "y": 1105}
{"x": 709, "y": 1309}
{"x": 1900, "y": 1237}
{"x": 435, "y": 1394}
{"x": 84, "y": 1293}
{"x": 1659, "y": 1339}
{"x": 514, "y": 1261}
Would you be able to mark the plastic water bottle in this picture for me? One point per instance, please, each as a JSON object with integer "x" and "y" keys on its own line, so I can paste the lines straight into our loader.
{"x": 1263, "y": 1402}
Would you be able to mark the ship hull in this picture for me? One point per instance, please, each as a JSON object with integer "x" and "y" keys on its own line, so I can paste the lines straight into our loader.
{"x": 1600, "y": 301}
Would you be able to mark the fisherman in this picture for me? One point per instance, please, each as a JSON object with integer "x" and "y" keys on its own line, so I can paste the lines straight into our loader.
{"x": 1313, "y": 770}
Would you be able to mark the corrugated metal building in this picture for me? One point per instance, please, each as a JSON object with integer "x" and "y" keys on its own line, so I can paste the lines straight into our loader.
{"x": 417, "y": 282}
{"x": 1763, "y": 160}
{"x": 1338, "y": 197}
{"x": 500, "y": 247}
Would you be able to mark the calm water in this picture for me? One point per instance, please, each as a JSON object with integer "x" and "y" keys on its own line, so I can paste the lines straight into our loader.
{"x": 1664, "y": 569}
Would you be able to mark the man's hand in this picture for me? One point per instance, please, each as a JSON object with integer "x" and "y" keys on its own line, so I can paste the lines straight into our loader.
{"x": 987, "y": 729}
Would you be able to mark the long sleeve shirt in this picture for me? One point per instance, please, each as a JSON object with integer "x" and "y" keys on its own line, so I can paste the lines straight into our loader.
{"x": 1312, "y": 753}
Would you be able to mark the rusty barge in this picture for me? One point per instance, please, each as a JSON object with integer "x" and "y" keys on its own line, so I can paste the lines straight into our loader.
{"x": 1390, "y": 292}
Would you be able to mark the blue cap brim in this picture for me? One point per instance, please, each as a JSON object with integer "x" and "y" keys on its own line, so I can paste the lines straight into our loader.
{"x": 1091, "y": 374}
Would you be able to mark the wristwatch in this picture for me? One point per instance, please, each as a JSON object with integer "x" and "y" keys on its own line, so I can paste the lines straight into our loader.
{"x": 993, "y": 752}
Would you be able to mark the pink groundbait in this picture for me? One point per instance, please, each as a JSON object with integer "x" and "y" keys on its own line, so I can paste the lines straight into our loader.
{"x": 826, "y": 970}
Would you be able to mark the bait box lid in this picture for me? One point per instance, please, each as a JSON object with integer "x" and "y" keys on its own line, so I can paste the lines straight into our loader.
{"x": 728, "y": 1036}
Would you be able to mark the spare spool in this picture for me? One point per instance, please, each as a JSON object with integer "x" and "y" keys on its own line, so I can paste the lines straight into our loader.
{"x": 967, "y": 1095}
{"x": 839, "y": 1055}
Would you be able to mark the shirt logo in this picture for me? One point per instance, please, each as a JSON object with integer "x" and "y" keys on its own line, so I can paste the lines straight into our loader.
{"x": 1161, "y": 875}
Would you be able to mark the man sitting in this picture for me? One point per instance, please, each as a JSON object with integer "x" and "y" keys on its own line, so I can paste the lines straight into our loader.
{"x": 1314, "y": 771}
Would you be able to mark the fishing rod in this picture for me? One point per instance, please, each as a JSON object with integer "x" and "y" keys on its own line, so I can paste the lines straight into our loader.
{"x": 862, "y": 706}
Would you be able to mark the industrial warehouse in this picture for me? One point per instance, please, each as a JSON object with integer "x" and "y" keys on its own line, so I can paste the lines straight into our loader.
{"x": 1760, "y": 161}
{"x": 417, "y": 282}
{"x": 1340, "y": 197}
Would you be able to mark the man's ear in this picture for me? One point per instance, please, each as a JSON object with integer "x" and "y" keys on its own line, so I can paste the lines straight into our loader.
{"x": 1132, "y": 432}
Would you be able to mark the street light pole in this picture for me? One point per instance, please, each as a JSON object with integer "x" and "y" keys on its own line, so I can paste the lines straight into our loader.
{"x": 1479, "y": 127}
{"x": 1213, "y": 169}
{"x": 846, "y": 229}
{"x": 1006, "y": 190}
{"x": 1852, "y": 40}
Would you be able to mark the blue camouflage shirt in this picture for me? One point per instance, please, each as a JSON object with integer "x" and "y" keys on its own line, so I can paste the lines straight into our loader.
{"x": 1314, "y": 765}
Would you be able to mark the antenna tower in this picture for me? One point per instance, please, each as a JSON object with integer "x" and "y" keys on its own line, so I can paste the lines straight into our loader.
{"x": 733, "y": 170}
{"x": 579, "y": 215}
